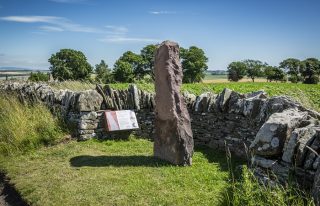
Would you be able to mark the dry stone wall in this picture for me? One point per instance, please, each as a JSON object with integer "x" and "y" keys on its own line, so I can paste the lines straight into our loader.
{"x": 281, "y": 137}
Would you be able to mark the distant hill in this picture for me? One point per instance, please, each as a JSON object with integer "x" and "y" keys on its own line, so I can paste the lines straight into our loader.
{"x": 20, "y": 69}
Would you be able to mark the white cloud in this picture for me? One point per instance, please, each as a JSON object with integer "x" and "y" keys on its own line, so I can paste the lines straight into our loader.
{"x": 162, "y": 12}
{"x": 116, "y": 29}
{"x": 115, "y": 34}
{"x": 51, "y": 28}
{"x": 119, "y": 34}
{"x": 128, "y": 40}
{"x": 60, "y": 23}
{"x": 69, "y": 1}
{"x": 31, "y": 19}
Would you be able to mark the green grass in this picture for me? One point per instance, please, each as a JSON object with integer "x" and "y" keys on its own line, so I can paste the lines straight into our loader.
{"x": 25, "y": 127}
{"x": 125, "y": 173}
{"x": 72, "y": 85}
{"x": 116, "y": 173}
{"x": 248, "y": 191}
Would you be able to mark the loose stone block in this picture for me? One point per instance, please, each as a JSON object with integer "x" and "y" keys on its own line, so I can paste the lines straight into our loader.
{"x": 273, "y": 134}
{"x": 173, "y": 136}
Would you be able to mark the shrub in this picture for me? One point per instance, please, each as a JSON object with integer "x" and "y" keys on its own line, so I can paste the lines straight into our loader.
{"x": 314, "y": 79}
{"x": 25, "y": 127}
{"x": 39, "y": 77}
{"x": 236, "y": 71}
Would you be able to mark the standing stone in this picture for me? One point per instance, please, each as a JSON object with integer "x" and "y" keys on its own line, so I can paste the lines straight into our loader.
{"x": 173, "y": 135}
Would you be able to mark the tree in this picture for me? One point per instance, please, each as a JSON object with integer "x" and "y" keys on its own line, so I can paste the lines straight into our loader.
{"x": 254, "y": 68}
{"x": 236, "y": 71}
{"x": 194, "y": 64}
{"x": 39, "y": 77}
{"x": 148, "y": 53}
{"x": 123, "y": 72}
{"x": 291, "y": 66}
{"x": 310, "y": 70}
{"x": 136, "y": 62}
{"x": 103, "y": 73}
{"x": 274, "y": 74}
{"x": 68, "y": 64}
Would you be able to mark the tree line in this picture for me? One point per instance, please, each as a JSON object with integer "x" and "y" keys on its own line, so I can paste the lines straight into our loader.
{"x": 69, "y": 64}
{"x": 306, "y": 71}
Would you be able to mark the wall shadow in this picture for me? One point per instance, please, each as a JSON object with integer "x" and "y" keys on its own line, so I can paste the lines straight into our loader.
{"x": 117, "y": 161}
{"x": 220, "y": 157}
{"x": 8, "y": 194}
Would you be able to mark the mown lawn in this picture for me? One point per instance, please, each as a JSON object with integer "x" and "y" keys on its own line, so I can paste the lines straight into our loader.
{"x": 116, "y": 173}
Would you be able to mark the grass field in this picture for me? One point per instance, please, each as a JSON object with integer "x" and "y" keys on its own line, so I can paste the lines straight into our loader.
{"x": 116, "y": 173}
{"x": 220, "y": 78}
{"x": 126, "y": 173}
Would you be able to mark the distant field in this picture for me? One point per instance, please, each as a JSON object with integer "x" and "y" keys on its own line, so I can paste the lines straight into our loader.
{"x": 209, "y": 78}
{"x": 15, "y": 74}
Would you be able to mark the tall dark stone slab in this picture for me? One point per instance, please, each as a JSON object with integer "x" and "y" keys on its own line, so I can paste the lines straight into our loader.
{"x": 173, "y": 135}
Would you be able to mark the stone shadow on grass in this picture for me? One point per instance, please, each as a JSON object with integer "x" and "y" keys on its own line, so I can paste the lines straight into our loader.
{"x": 117, "y": 161}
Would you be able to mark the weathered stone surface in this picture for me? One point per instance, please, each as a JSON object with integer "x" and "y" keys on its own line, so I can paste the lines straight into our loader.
{"x": 305, "y": 138}
{"x": 173, "y": 136}
{"x": 203, "y": 103}
{"x": 88, "y": 115}
{"x": 276, "y": 131}
{"x": 263, "y": 162}
{"x": 87, "y": 125}
{"x": 223, "y": 99}
{"x": 135, "y": 95}
{"x": 89, "y": 100}
{"x": 316, "y": 163}
{"x": 316, "y": 188}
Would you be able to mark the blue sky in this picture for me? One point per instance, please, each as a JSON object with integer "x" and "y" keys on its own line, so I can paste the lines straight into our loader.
{"x": 230, "y": 30}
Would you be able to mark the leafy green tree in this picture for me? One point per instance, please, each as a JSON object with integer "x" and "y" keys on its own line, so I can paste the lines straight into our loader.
{"x": 194, "y": 64}
{"x": 274, "y": 74}
{"x": 148, "y": 53}
{"x": 69, "y": 64}
{"x": 136, "y": 62}
{"x": 103, "y": 73}
{"x": 236, "y": 71}
{"x": 291, "y": 65}
{"x": 254, "y": 68}
{"x": 39, "y": 77}
{"x": 269, "y": 73}
{"x": 123, "y": 71}
{"x": 310, "y": 70}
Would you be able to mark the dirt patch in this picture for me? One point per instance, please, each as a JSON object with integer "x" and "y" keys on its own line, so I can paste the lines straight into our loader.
{"x": 8, "y": 194}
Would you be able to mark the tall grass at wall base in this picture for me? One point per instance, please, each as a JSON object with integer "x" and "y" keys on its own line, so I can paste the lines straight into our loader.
{"x": 25, "y": 127}
{"x": 247, "y": 190}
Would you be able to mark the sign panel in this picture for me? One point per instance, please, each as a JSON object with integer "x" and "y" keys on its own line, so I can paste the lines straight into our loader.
{"x": 120, "y": 120}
